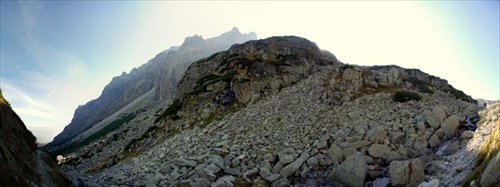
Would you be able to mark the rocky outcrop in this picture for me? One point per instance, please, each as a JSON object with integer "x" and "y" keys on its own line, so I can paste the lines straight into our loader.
{"x": 21, "y": 163}
{"x": 161, "y": 73}
{"x": 280, "y": 111}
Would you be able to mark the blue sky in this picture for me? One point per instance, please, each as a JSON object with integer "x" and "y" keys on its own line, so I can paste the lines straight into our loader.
{"x": 56, "y": 55}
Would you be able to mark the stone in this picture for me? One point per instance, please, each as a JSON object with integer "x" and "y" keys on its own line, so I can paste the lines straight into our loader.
{"x": 283, "y": 182}
{"x": 467, "y": 134}
{"x": 335, "y": 152}
{"x": 435, "y": 118}
{"x": 360, "y": 144}
{"x": 453, "y": 148}
{"x": 251, "y": 173}
{"x": 218, "y": 161}
{"x": 378, "y": 150}
{"x": 420, "y": 144}
{"x": 416, "y": 172}
{"x": 349, "y": 151}
{"x": 396, "y": 137}
{"x": 294, "y": 166}
{"x": 431, "y": 183}
{"x": 225, "y": 181}
{"x": 267, "y": 175}
{"x": 382, "y": 182}
{"x": 200, "y": 182}
{"x": 183, "y": 162}
{"x": 232, "y": 171}
{"x": 351, "y": 172}
{"x": 313, "y": 161}
{"x": 450, "y": 126}
{"x": 491, "y": 175}
{"x": 399, "y": 171}
{"x": 434, "y": 141}
{"x": 409, "y": 173}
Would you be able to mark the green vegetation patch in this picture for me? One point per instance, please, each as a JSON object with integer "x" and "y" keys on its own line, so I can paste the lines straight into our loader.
{"x": 421, "y": 85}
{"x": 383, "y": 67}
{"x": 460, "y": 94}
{"x": 171, "y": 110}
{"x": 104, "y": 131}
{"x": 404, "y": 96}
{"x": 347, "y": 66}
{"x": 206, "y": 80}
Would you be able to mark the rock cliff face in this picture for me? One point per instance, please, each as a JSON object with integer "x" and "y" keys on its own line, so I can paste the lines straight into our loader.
{"x": 161, "y": 73}
{"x": 22, "y": 164}
{"x": 280, "y": 111}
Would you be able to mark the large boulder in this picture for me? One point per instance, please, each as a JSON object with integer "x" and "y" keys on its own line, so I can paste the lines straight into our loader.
{"x": 435, "y": 118}
{"x": 351, "y": 172}
{"x": 491, "y": 174}
{"x": 294, "y": 166}
{"x": 410, "y": 173}
{"x": 450, "y": 126}
{"x": 378, "y": 150}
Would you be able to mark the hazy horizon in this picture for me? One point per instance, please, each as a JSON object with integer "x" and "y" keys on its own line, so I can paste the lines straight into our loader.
{"x": 57, "y": 55}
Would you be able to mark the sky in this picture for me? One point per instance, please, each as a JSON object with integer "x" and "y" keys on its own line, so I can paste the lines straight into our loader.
{"x": 57, "y": 55}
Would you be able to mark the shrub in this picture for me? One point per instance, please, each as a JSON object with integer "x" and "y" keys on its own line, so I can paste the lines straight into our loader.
{"x": 460, "y": 95}
{"x": 421, "y": 85}
{"x": 404, "y": 96}
{"x": 383, "y": 67}
{"x": 347, "y": 66}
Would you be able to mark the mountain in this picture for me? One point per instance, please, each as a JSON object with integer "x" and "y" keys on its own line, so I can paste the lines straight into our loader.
{"x": 158, "y": 77}
{"x": 280, "y": 111}
{"x": 22, "y": 164}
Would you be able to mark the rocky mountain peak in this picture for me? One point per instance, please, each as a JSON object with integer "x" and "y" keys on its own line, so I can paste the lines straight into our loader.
{"x": 159, "y": 75}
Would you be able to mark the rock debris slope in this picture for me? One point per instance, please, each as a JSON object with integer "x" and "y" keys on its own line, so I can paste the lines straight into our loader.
{"x": 280, "y": 112}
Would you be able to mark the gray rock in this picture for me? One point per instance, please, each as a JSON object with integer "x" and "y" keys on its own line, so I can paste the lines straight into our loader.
{"x": 218, "y": 161}
{"x": 491, "y": 175}
{"x": 294, "y": 166}
{"x": 313, "y": 161}
{"x": 450, "y": 126}
{"x": 232, "y": 171}
{"x": 335, "y": 152}
{"x": 467, "y": 134}
{"x": 200, "y": 182}
{"x": 399, "y": 171}
{"x": 396, "y": 137}
{"x": 251, "y": 173}
{"x": 378, "y": 150}
{"x": 431, "y": 183}
{"x": 283, "y": 182}
{"x": 183, "y": 162}
{"x": 351, "y": 172}
{"x": 434, "y": 141}
{"x": 406, "y": 172}
{"x": 225, "y": 181}
{"x": 266, "y": 174}
{"x": 382, "y": 182}
{"x": 435, "y": 118}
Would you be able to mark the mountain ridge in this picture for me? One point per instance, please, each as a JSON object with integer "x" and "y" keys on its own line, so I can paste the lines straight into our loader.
{"x": 161, "y": 72}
